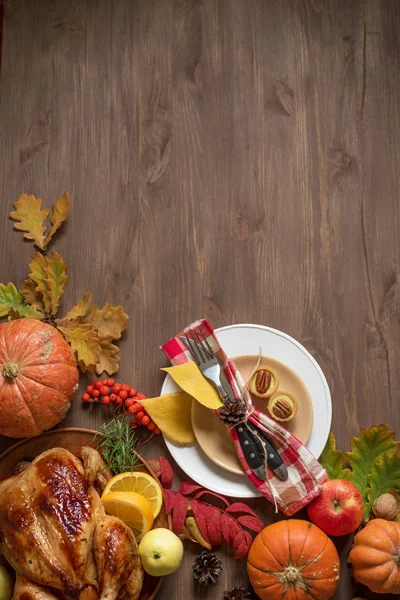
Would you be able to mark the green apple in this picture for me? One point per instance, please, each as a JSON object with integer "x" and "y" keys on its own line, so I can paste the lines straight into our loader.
{"x": 6, "y": 584}
{"x": 161, "y": 552}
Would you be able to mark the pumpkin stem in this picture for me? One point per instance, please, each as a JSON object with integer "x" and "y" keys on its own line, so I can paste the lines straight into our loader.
{"x": 10, "y": 370}
{"x": 397, "y": 558}
{"x": 290, "y": 576}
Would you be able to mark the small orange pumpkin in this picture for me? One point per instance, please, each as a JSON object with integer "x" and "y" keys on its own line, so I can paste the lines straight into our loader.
{"x": 293, "y": 560}
{"x": 38, "y": 376}
{"x": 375, "y": 556}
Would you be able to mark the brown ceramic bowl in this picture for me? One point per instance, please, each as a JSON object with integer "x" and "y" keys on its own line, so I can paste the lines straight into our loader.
{"x": 72, "y": 439}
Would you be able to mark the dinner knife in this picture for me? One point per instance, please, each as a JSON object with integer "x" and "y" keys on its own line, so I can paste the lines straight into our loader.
{"x": 253, "y": 452}
{"x": 274, "y": 460}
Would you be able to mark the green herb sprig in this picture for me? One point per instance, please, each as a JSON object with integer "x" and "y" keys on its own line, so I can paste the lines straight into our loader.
{"x": 116, "y": 442}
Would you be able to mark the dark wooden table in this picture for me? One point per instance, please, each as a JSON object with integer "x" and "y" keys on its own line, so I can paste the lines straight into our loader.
{"x": 237, "y": 160}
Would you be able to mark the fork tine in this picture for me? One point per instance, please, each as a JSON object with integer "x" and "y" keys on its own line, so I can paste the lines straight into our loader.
{"x": 206, "y": 343}
{"x": 193, "y": 349}
{"x": 200, "y": 348}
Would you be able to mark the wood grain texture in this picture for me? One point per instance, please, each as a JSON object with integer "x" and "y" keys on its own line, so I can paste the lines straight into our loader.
{"x": 233, "y": 159}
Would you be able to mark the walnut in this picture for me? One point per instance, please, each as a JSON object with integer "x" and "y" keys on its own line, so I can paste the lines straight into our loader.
{"x": 385, "y": 507}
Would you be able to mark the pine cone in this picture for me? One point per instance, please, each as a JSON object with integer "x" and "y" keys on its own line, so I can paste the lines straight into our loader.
{"x": 233, "y": 411}
{"x": 206, "y": 568}
{"x": 235, "y": 593}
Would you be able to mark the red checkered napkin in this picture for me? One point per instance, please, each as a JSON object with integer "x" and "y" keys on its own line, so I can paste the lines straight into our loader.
{"x": 305, "y": 473}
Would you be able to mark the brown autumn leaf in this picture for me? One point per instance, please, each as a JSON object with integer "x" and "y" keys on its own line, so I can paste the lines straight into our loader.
{"x": 59, "y": 214}
{"x": 109, "y": 358}
{"x": 110, "y": 321}
{"x": 38, "y": 274}
{"x": 81, "y": 308}
{"x": 30, "y": 218}
{"x": 31, "y": 296}
{"x": 56, "y": 278}
{"x": 83, "y": 340}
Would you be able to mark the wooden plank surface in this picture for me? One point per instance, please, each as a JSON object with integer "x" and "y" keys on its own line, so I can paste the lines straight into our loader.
{"x": 233, "y": 159}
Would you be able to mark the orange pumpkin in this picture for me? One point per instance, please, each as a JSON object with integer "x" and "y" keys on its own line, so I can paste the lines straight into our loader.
{"x": 293, "y": 560}
{"x": 38, "y": 376}
{"x": 375, "y": 556}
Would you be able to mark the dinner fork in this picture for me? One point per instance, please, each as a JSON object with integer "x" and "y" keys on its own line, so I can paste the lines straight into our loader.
{"x": 209, "y": 366}
{"x": 206, "y": 360}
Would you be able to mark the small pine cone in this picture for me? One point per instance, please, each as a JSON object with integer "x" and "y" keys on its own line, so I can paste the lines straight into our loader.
{"x": 235, "y": 593}
{"x": 233, "y": 411}
{"x": 206, "y": 568}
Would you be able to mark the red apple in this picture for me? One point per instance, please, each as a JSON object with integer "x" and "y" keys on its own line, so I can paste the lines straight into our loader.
{"x": 339, "y": 509}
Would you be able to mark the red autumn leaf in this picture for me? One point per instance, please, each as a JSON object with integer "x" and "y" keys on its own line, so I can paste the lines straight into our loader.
{"x": 166, "y": 472}
{"x": 213, "y": 522}
{"x": 169, "y": 502}
{"x": 179, "y": 513}
{"x": 241, "y": 544}
{"x": 229, "y": 528}
{"x": 199, "y": 510}
{"x": 187, "y": 488}
{"x": 203, "y": 492}
{"x": 154, "y": 465}
{"x": 252, "y": 523}
{"x": 239, "y": 507}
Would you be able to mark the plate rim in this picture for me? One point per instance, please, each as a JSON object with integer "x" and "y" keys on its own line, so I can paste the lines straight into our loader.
{"x": 313, "y": 362}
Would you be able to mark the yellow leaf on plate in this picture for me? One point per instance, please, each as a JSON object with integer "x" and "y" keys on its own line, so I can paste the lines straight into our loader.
{"x": 59, "y": 214}
{"x": 30, "y": 218}
{"x": 83, "y": 340}
{"x": 108, "y": 359}
{"x": 189, "y": 378}
{"x": 109, "y": 321}
{"x": 56, "y": 278}
{"x": 81, "y": 308}
{"x": 38, "y": 274}
{"x": 172, "y": 413}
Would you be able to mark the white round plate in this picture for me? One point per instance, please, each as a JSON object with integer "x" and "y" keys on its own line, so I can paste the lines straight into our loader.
{"x": 247, "y": 339}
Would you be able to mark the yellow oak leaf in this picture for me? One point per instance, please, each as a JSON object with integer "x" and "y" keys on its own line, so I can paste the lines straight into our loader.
{"x": 83, "y": 340}
{"x": 84, "y": 368}
{"x": 172, "y": 413}
{"x": 110, "y": 321}
{"x": 38, "y": 274}
{"x": 80, "y": 309}
{"x": 56, "y": 278}
{"x": 108, "y": 359}
{"x": 31, "y": 296}
{"x": 30, "y": 218}
{"x": 12, "y": 300}
{"x": 59, "y": 214}
{"x": 190, "y": 379}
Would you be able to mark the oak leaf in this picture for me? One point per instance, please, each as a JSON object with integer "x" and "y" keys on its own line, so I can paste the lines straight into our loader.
{"x": 59, "y": 214}
{"x": 332, "y": 460}
{"x": 109, "y": 321}
{"x": 31, "y": 296}
{"x": 83, "y": 340}
{"x": 12, "y": 300}
{"x": 195, "y": 533}
{"x": 366, "y": 450}
{"x": 108, "y": 360}
{"x": 80, "y": 309}
{"x": 384, "y": 477}
{"x": 30, "y": 218}
{"x": 38, "y": 274}
{"x": 56, "y": 278}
